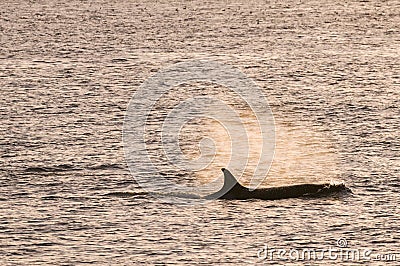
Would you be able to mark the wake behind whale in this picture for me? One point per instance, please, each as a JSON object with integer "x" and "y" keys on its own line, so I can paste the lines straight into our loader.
{"x": 233, "y": 190}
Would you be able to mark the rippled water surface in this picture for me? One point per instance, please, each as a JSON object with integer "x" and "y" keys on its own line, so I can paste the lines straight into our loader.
{"x": 329, "y": 69}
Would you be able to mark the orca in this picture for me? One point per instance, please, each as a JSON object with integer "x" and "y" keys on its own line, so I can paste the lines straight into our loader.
{"x": 233, "y": 190}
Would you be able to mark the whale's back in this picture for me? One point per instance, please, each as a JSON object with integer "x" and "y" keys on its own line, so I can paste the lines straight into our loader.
{"x": 233, "y": 190}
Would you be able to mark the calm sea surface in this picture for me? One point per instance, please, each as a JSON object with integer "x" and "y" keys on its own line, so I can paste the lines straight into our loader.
{"x": 68, "y": 69}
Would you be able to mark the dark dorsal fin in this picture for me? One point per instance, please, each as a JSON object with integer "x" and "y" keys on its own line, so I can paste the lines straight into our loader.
{"x": 230, "y": 182}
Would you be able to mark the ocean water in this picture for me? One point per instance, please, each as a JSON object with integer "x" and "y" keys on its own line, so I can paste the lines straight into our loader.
{"x": 329, "y": 70}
